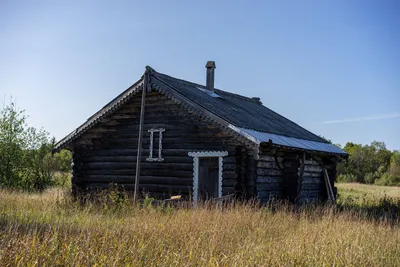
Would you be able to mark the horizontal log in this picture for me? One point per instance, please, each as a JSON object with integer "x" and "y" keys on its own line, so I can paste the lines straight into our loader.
{"x": 198, "y": 144}
{"x": 119, "y": 116}
{"x": 269, "y": 172}
{"x": 269, "y": 179}
{"x": 291, "y": 166}
{"x": 157, "y": 120}
{"x": 312, "y": 174}
{"x": 132, "y": 152}
{"x": 143, "y": 179}
{"x": 311, "y": 187}
{"x": 142, "y": 187}
{"x": 268, "y": 187}
{"x": 123, "y": 151}
{"x": 266, "y": 165}
{"x": 228, "y": 174}
{"x": 311, "y": 162}
{"x": 268, "y": 158}
{"x": 152, "y": 106}
{"x": 312, "y": 168}
{"x": 132, "y": 130}
{"x": 90, "y": 135}
{"x": 144, "y": 165}
{"x": 145, "y": 172}
{"x": 150, "y": 172}
{"x": 133, "y": 141}
{"x": 160, "y": 116}
{"x": 228, "y": 182}
{"x": 312, "y": 180}
{"x": 132, "y": 159}
{"x": 102, "y": 129}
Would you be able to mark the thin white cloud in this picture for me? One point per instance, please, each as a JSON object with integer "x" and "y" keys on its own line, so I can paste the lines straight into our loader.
{"x": 370, "y": 118}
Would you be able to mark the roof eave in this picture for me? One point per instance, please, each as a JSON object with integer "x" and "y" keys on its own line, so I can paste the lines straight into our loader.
{"x": 342, "y": 155}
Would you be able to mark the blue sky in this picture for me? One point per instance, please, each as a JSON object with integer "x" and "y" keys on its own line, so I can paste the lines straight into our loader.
{"x": 331, "y": 66}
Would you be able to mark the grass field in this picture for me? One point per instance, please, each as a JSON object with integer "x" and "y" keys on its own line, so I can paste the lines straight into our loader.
{"x": 49, "y": 230}
{"x": 359, "y": 191}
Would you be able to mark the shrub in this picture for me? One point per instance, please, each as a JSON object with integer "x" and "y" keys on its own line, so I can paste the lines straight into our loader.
{"x": 25, "y": 152}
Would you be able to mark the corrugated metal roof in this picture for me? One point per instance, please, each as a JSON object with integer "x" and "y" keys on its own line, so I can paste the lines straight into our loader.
{"x": 260, "y": 137}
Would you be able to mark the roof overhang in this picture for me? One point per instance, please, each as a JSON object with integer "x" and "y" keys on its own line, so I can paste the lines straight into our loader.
{"x": 289, "y": 142}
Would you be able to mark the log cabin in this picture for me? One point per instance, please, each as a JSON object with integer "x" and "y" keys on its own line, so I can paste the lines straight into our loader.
{"x": 165, "y": 136}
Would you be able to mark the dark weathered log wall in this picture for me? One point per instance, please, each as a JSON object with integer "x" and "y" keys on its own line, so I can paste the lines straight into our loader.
{"x": 269, "y": 177}
{"x": 107, "y": 153}
{"x": 277, "y": 176}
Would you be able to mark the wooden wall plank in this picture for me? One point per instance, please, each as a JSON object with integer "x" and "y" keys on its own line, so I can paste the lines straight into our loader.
{"x": 108, "y": 151}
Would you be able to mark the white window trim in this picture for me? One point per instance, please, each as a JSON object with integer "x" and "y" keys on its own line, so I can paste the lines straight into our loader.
{"x": 206, "y": 154}
{"x": 160, "y": 131}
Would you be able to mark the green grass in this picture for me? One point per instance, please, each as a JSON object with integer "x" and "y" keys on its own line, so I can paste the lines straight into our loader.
{"x": 356, "y": 190}
{"x": 48, "y": 229}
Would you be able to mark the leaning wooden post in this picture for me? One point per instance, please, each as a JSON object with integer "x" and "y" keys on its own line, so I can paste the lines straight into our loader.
{"x": 331, "y": 195}
{"x": 301, "y": 174}
{"x": 139, "y": 150}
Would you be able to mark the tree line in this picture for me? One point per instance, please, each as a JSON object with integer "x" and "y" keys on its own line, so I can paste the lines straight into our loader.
{"x": 370, "y": 164}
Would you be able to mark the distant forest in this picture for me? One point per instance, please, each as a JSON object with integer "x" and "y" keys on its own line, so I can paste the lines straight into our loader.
{"x": 370, "y": 164}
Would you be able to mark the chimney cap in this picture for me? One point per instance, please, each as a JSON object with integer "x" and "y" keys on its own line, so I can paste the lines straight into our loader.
{"x": 210, "y": 64}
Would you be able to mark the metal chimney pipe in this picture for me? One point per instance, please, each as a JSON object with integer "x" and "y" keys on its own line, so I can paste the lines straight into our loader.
{"x": 210, "y": 75}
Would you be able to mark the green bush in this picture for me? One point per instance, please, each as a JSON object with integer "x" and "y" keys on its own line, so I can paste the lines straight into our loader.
{"x": 370, "y": 164}
{"x": 62, "y": 160}
{"x": 25, "y": 152}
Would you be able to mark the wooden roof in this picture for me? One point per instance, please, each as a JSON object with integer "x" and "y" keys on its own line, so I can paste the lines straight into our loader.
{"x": 229, "y": 110}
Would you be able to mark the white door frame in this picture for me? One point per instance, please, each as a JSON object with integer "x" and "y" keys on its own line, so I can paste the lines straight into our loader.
{"x": 206, "y": 154}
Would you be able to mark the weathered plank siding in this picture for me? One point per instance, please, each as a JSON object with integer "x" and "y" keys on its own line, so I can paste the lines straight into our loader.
{"x": 278, "y": 177}
{"x": 107, "y": 153}
{"x": 269, "y": 178}
{"x": 313, "y": 187}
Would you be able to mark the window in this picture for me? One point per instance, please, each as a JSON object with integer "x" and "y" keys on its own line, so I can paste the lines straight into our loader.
{"x": 154, "y": 146}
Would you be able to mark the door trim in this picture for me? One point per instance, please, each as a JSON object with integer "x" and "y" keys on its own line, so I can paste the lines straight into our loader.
{"x": 206, "y": 154}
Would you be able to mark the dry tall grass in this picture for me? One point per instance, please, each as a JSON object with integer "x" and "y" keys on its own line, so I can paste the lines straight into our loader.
{"x": 48, "y": 230}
